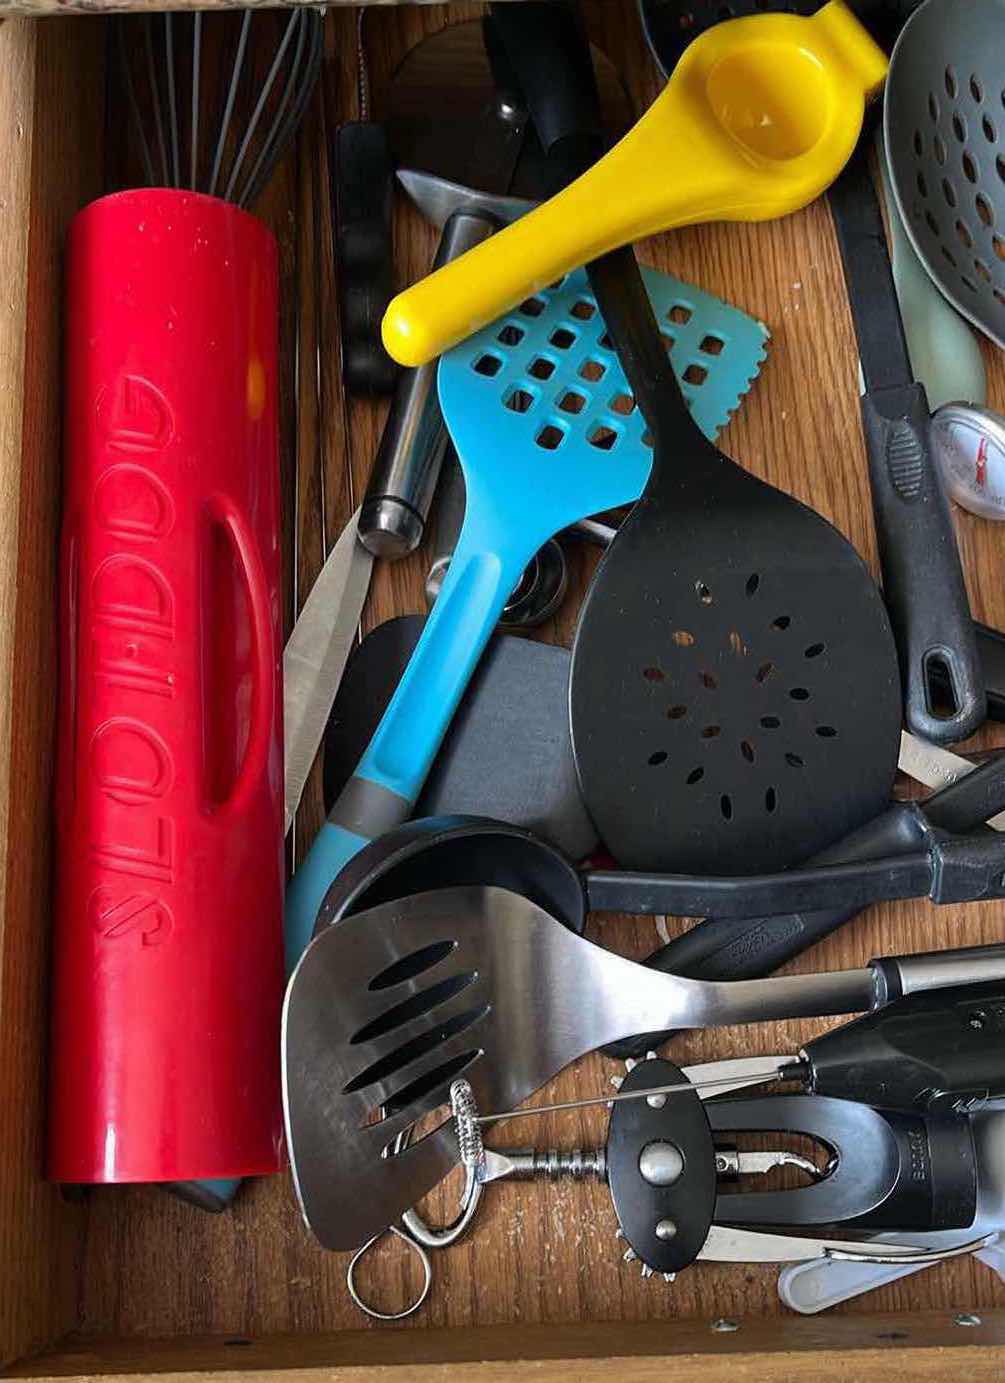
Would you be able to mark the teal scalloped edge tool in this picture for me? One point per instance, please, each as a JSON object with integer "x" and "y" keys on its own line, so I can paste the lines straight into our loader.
{"x": 716, "y": 350}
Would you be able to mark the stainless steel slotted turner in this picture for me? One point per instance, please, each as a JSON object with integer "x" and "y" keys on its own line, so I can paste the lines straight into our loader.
{"x": 391, "y": 1005}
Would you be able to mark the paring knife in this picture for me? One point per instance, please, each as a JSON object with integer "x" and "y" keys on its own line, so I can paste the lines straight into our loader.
{"x": 936, "y": 767}
{"x": 316, "y": 654}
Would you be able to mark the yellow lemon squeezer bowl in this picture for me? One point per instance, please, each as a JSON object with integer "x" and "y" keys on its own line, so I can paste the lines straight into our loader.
{"x": 759, "y": 117}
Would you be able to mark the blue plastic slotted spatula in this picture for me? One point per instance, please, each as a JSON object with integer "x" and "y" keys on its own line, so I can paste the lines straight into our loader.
{"x": 547, "y": 432}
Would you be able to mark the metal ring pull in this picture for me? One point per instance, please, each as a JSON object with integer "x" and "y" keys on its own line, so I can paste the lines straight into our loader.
{"x": 431, "y": 1238}
{"x": 419, "y": 1237}
{"x": 427, "y": 1272}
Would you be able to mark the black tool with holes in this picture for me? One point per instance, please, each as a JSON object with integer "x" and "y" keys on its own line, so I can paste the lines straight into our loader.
{"x": 735, "y": 696}
{"x": 922, "y": 577}
{"x": 945, "y": 133}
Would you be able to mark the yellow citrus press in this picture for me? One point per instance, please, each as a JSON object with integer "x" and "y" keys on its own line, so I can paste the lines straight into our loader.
{"x": 759, "y": 117}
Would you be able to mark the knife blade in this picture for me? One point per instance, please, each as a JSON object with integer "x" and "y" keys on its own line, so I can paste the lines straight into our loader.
{"x": 315, "y": 655}
{"x": 937, "y": 767}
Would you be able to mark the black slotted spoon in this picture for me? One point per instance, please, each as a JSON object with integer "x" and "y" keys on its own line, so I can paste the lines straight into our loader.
{"x": 735, "y": 695}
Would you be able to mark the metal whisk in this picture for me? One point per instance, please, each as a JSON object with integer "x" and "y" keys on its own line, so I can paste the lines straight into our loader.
{"x": 176, "y": 71}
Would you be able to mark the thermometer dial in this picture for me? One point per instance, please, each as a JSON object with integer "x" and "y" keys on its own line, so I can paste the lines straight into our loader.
{"x": 969, "y": 444}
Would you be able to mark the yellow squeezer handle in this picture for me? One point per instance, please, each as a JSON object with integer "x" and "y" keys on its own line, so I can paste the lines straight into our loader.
{"x": 759, "y": 117}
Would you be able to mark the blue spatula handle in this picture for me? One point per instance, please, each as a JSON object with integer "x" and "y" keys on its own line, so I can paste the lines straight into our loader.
{"x": 333, "y": 847}
{"x": 393, "y": 769}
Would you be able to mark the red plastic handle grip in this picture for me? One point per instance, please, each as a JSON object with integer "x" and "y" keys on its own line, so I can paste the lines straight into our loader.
{"x": 262, "y": 712}
{"x": 168, "y": 975}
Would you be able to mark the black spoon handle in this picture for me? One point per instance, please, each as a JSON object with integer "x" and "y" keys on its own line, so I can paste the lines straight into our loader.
{"x": 944, "y": 868}
{"x": 922, "y": 578}
{"x": 738, "y": 949}
{"x": 624, "y": 304}
{"x": 549, "y": 56}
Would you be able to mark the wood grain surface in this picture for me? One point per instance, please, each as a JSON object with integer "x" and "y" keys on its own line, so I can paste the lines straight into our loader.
{"x": 153, "y": 1267}
{"x": 48, "y": 168}
{"x": 923, "y": 1346}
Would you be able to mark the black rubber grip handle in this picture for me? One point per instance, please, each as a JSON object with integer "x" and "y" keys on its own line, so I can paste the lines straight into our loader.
{"x": 941, "y": 673}
{"x": 362, "y": 172}
{"x": 923, "y": 582}
{"x": 737, "y": 949}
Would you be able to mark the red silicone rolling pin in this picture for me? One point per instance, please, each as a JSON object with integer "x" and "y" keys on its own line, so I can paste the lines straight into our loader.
{"x": 168, "y": 972}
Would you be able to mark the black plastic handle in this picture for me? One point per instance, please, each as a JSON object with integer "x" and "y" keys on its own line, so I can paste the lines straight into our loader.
{"x": 923, "y": 582}
{"x": 895, "y": 1169}
{"x": 738, "y": 949}
{"x": 941, "y": 1049}
{"x": 549, "y": 57}
{"x": 362, "y": 172}
{"x": 942, "y": 677}
{"x": 944, "y": 868}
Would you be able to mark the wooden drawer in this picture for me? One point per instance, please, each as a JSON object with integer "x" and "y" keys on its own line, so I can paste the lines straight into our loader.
{"x": 130, "y": 1282}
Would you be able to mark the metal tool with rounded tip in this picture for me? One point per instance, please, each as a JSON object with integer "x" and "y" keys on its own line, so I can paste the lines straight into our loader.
{"x": 945, "y": 142}
{"x": 938, "y": 768}
{"x": 444, "y": 84}
{"x": 413, "y": 443}
{"x": 440, "y": 200}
